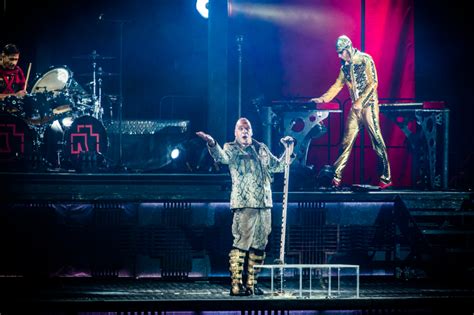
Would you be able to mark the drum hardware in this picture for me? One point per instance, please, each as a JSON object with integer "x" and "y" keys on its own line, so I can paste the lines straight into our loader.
{"x": 98, "y": 111}
{"x": 59, "y": 155}
{"x": 101, "y": 73}
{"x": 93, "y": 56}
{"x": 96, "y": 83}
{"x": 111, "y": 109}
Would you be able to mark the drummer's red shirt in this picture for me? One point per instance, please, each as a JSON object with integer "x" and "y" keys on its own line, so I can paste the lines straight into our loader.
{"x": 11, "y": 80}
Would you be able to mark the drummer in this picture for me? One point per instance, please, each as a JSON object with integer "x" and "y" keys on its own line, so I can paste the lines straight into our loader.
{"x": 12, "y": 78}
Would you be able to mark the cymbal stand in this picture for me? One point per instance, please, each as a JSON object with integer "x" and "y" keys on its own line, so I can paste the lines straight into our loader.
{"x": 98, "y": 111}
{"x": 96, "y": 89}
{"x": 94, "y": 80}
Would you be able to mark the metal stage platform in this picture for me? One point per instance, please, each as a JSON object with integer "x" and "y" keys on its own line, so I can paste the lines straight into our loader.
{"x": 153, "y": 243}
{"x": 378, "y": 295}
{"x": 143, "y": 187}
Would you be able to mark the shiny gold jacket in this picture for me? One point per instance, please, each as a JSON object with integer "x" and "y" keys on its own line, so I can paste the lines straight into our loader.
{"x": 360, "y": 76}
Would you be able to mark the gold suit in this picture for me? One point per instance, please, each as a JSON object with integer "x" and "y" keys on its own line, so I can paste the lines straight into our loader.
{"x": 360, "y": 76}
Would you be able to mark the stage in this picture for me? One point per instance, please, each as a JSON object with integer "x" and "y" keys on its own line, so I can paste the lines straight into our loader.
{"x": 378, "y": 295}
{"x": 147, "y": 187}
{"x": 153, "y": 243}
{"x": 111, "y": 203}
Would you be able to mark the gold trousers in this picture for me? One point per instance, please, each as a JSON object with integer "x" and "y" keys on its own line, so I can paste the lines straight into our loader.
{"x": 368, "y": 117}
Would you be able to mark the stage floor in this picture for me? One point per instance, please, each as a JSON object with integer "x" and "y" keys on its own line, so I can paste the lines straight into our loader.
{"x": 127, "y": 187}
{"x": 35, "y": 206}
{"x": 378, "y": 295}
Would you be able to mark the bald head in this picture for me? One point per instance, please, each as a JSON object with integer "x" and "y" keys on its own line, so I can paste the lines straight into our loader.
{"x": 243, "y": 132}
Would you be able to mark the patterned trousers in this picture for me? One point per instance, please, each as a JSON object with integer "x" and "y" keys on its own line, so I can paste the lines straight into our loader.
{"x": 368, "y": 117}
{"x": 251, "y": 228}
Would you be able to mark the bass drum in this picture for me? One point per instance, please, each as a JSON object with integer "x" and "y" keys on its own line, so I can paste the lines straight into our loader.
{"x": 17, "y": 144}
{"x": 86, "y": 143}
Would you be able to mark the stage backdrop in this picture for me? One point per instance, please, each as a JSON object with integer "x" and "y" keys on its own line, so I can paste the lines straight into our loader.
{"x": 306, "y": 35}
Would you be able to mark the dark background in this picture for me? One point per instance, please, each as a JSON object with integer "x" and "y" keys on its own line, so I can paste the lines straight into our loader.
{"x": 165, "y": 58}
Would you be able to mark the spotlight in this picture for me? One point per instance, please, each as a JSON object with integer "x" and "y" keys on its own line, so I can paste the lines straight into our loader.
{"x": 201, "y": 7}
{"x": 175, "y": 153}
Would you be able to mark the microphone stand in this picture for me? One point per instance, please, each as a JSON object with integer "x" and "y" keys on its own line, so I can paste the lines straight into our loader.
{"x": 239, "y": 39}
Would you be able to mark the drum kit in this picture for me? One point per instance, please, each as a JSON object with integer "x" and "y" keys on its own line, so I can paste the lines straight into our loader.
{"x": 58, "y": 125}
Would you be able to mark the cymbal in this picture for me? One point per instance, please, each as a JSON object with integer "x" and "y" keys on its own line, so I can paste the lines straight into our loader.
{"x": 99, "y": 74}
{"x": 93, "y": 56}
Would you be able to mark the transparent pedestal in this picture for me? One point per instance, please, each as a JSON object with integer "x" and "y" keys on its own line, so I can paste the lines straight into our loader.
{"x": 310, "y": 280}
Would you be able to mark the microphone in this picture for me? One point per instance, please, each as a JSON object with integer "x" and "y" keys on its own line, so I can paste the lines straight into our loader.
{"x": 287, "y": 140}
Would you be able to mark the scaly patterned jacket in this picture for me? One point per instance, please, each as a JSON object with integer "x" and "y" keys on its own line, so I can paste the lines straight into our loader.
{"x": 250, "y": 170}
{"x": 360, "y": 76}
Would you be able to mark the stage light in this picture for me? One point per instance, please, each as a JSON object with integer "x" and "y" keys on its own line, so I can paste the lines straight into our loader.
{"x": 201, "y": 7}
{"x": 175, "y": 153}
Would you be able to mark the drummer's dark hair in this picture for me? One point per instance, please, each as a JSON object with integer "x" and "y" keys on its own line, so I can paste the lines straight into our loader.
{"x": 10, "y": 49}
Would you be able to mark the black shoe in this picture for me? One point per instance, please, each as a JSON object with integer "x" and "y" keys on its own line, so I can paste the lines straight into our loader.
{"x": 239, "y": 290}
{"x": 336, "y": 183}
{"x": 255, "y": 291}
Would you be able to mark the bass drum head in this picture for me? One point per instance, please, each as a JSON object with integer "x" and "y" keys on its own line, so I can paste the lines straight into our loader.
{"x": 86, "y": 143}
{"x": 54, "y": 80}
{"x": 17, "y": 143}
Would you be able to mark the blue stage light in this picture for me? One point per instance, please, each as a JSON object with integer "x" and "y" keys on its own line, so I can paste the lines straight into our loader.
{"x": 175, "y": 153}
{"x": 201, "y": 7}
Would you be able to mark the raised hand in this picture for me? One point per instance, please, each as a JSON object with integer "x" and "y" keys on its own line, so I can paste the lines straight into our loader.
{"x": 204, "y": 136}
{"x": 287, "y": 140}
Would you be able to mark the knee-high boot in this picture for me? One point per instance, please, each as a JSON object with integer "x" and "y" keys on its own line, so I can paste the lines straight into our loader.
{"x": 236, "y": 268}
{"x": 256, "y": 257}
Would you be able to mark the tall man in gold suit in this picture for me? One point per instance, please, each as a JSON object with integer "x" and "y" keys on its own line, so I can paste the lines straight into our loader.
{"x": 359, "y": 74}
